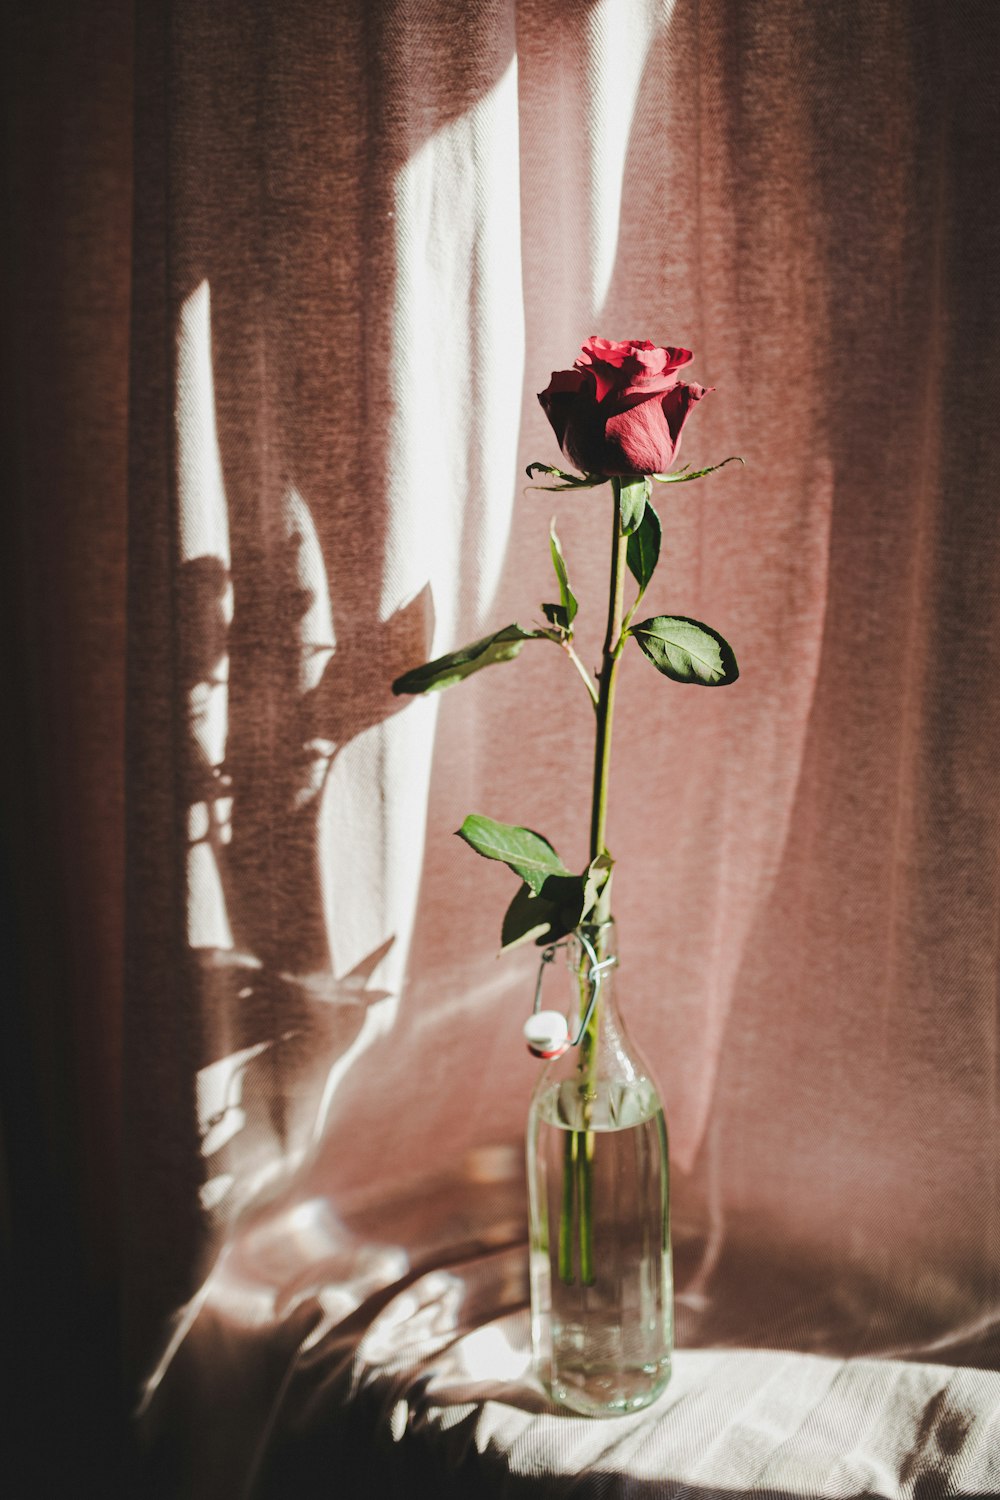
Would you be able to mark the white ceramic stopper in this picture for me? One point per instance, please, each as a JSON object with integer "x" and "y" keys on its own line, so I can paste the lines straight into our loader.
{"x": 546, "y": 1033}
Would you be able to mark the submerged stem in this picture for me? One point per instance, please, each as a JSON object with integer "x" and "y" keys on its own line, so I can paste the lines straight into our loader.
{"x": 585, "y": 1168}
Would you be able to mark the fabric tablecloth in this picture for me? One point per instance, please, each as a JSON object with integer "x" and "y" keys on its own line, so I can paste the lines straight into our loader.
{"x": 324, "y": 1358}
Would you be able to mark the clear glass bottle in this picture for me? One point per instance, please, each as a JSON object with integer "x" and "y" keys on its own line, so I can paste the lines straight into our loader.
{"x": 599, "y": 1205}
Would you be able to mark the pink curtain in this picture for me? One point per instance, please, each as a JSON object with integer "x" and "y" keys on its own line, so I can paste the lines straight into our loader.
{"x": 283, "y": 281}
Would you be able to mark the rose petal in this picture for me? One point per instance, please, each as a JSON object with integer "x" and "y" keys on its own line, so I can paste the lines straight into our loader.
{"x": 631, "y": 364}
{"x": 638, "y": 440}
{"x": 677, "y": 406}
{"x": 675, "y": 359}
{"x": 560, "y": 396}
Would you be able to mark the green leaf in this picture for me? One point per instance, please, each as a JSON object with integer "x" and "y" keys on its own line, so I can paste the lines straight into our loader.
{"x": 644, "y": 547}
{"x": 573, "y": 897}
{"x": 634, "y": 495}
{"x": 595, "y": 878}
{"x": 679, "y": 476}
{"x": 566, "y": 594}
{"x": 541, "y": 919}
{"x": 528, "y": 918}
{"x": 557, "y": 616}
{"x": 454, "y": 667}
{"x": 565, "y": 895}
{"x": 562, "y": 903}
{"x": 569, "y": 481}
{"x": 524, "y": 852}
{"x": 687, "y": 651}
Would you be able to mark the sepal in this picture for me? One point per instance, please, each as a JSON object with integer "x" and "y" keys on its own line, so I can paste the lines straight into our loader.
{"x": 680, "y": 476}
{"x": 569, "y": 481}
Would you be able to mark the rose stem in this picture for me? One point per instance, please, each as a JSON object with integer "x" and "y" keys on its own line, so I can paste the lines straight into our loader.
{"x": 584, "y": 1150}
{"x": 606, "y": 697}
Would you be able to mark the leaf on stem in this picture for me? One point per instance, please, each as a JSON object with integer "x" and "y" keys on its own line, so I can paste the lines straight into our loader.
{"x": 573, "y": 897}
{"x": 687, "y": 651}
{"x": 643, "y": 549}
{"x": 679, "y": 476}
{"x": 556, "y": 908}
{"x": 557, "y": 616}
{"x": 566, "y": 595}
{"x": 542, "y": 918}
{"x": 525, "y": 852}
{"x": 565, "y": 895}
{"x": 528, "y": 918}
{"x": 455, "y": 666}
{"x": 595, "y": 878}
{"x": 634, "y": 494}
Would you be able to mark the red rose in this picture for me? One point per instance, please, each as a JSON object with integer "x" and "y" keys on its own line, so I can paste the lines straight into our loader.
{"x": 621, "y": 408}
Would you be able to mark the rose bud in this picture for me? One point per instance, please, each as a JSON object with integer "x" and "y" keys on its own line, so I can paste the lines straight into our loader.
{"x": 621, "y": 408}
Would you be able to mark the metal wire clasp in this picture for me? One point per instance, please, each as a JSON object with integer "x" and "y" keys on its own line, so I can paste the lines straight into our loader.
{"x": 551, "y": 1039}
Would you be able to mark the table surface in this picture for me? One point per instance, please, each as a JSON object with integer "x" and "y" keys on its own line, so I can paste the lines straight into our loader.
{"x": 320, "y": 1362}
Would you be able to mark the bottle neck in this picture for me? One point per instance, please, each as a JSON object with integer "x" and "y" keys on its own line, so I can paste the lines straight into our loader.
{"x": 593, "y": 960}
{"x": 593, "y": 964}
{"x": 605, "y": 1054}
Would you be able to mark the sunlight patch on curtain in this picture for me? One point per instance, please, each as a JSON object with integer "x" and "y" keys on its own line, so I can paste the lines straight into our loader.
{"x": 206, "y": 614}
{"x": 451, "y": 489}
{"x": 457, "y": 362}
{"x": 618, "y": 40}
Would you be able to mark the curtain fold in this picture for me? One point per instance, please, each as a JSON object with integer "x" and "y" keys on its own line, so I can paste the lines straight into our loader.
{"x": 281, "y": 286}
{"x": 66, "y": 179}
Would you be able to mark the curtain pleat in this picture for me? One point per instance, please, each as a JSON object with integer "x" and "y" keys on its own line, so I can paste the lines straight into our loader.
{"x": 66, "y": 181}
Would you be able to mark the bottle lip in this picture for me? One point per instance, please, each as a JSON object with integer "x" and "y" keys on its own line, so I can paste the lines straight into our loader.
{"x": 599, "y": 936}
